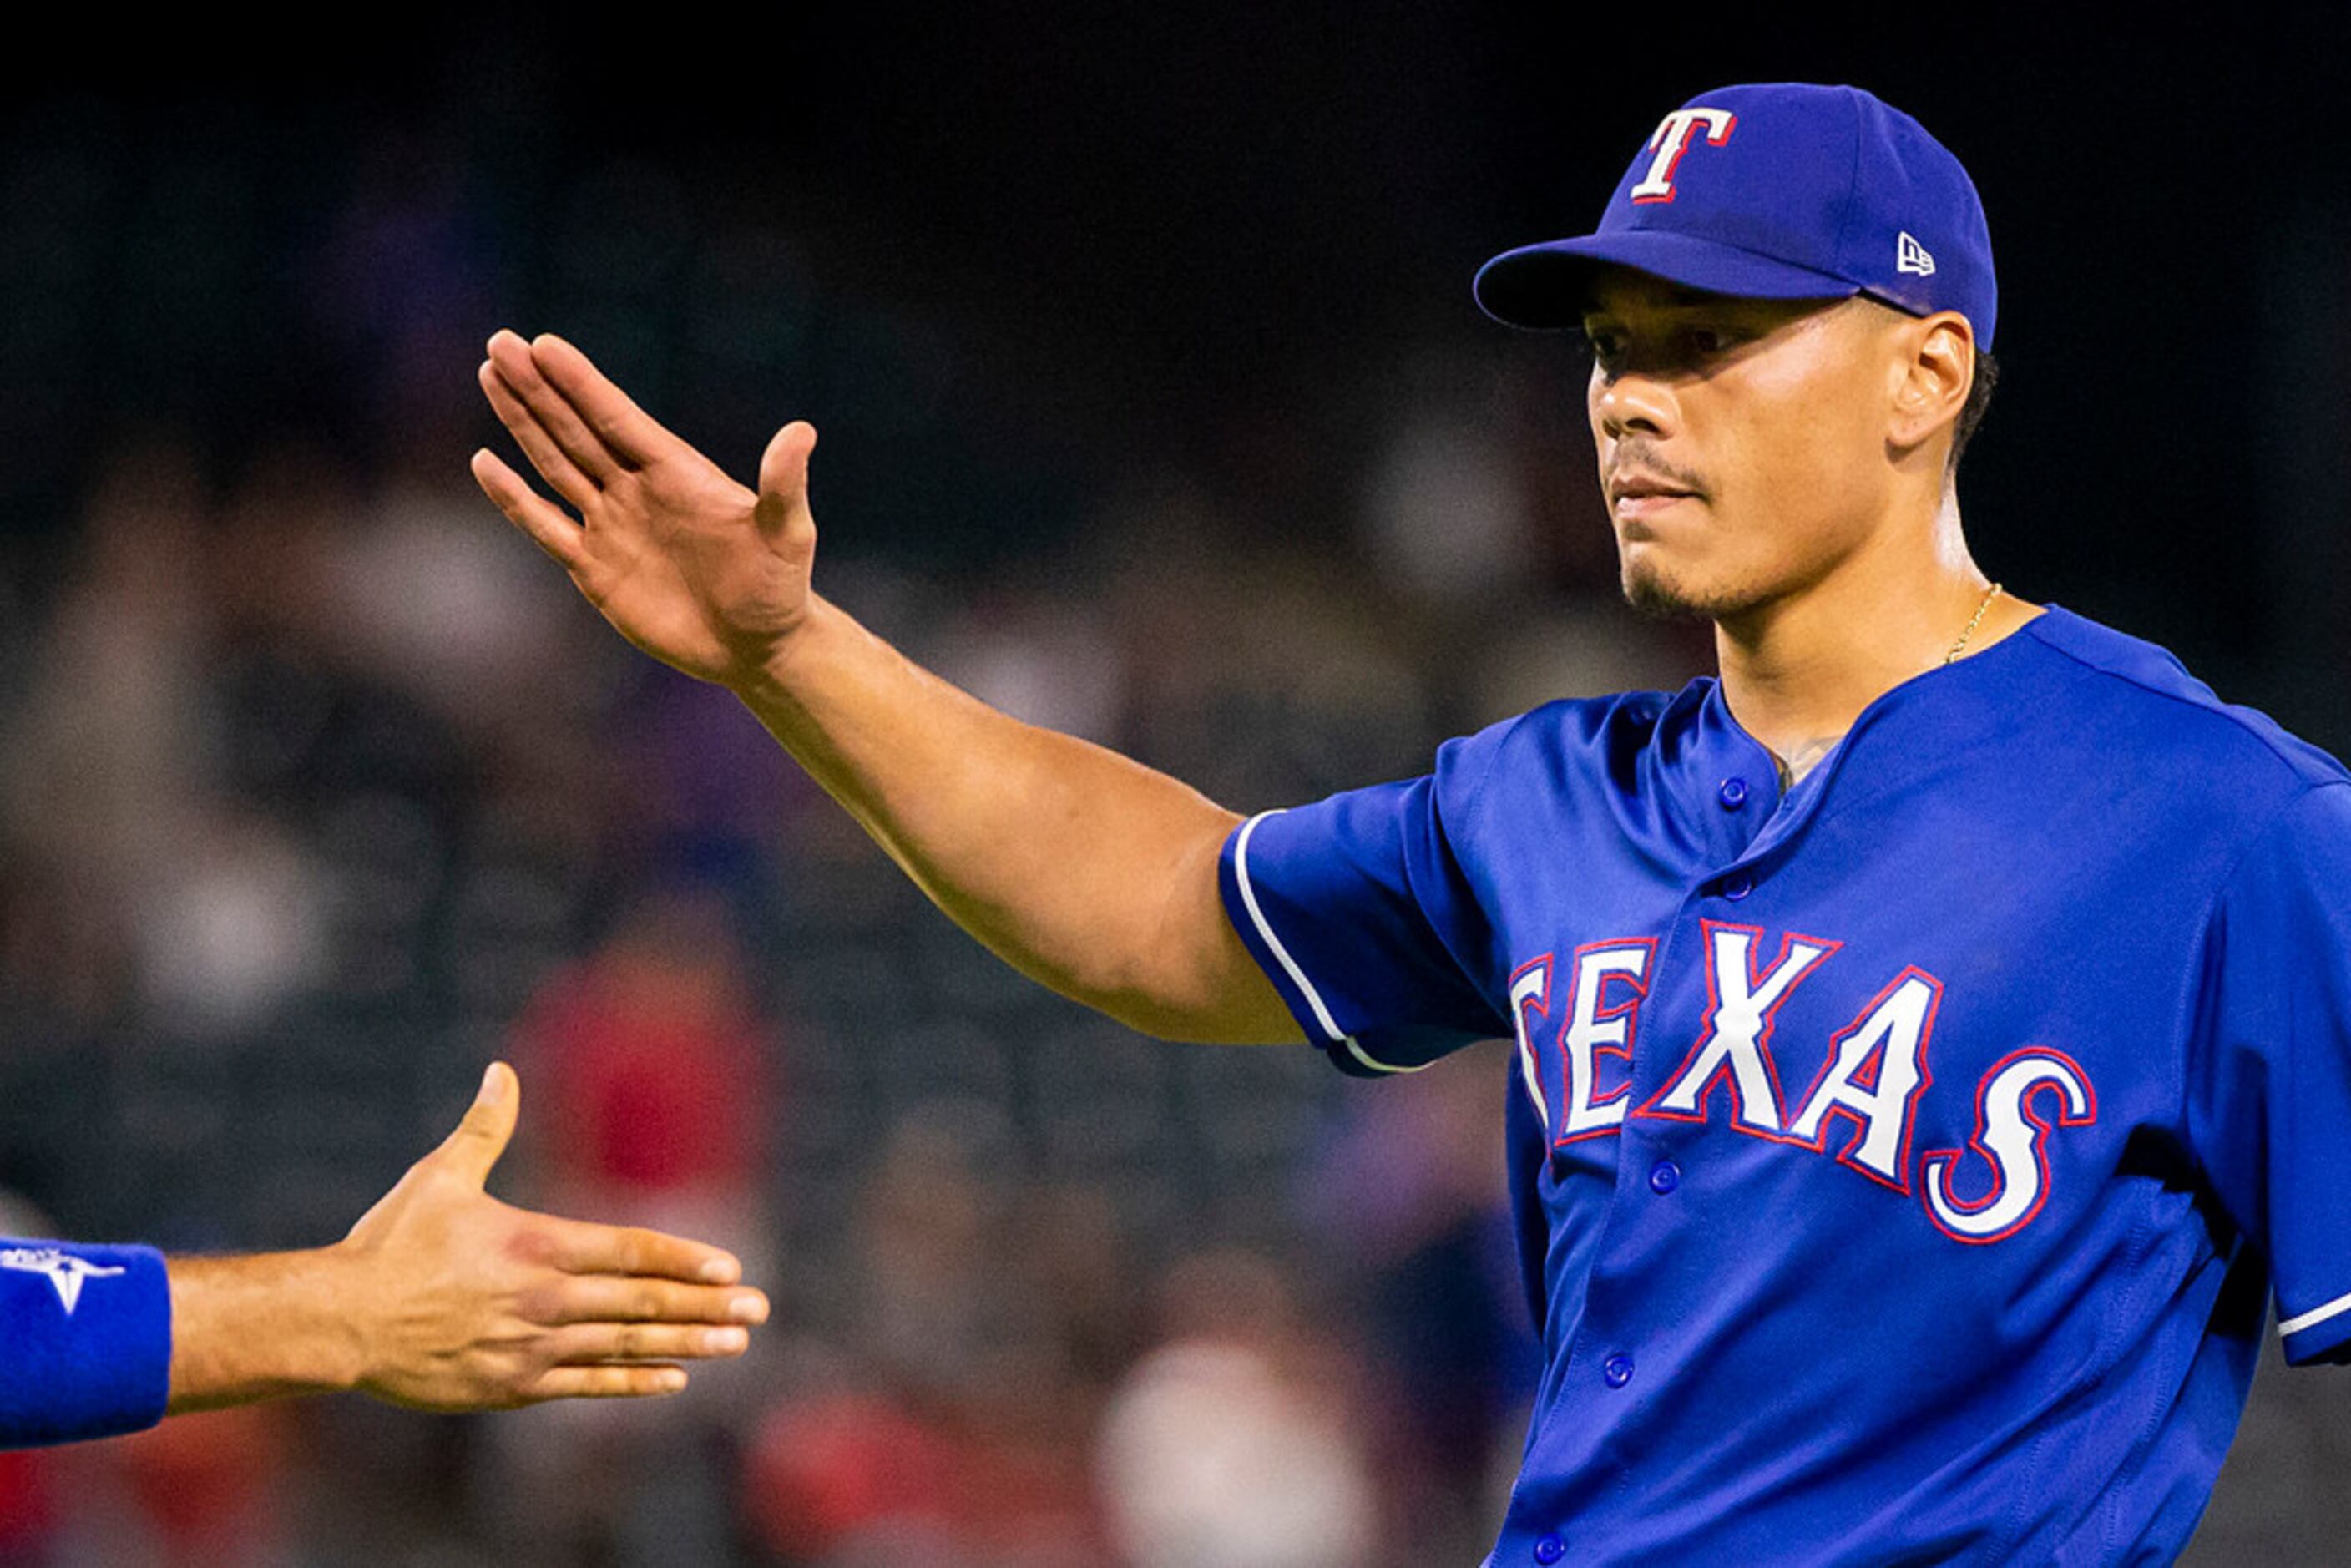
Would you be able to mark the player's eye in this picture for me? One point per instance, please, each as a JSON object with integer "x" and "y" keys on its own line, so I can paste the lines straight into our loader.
{"x": 1602, "y": 346}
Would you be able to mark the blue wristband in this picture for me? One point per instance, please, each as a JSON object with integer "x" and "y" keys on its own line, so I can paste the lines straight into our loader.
{"x": 85, "y": 1340}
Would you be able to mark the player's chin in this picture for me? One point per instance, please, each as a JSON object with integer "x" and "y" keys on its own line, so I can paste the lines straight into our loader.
{"x": 1654, "y": 589}
{"x": 1662, "y": 580}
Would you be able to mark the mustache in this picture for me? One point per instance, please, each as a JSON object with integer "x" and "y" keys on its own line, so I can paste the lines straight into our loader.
{"x": 1636, "y": 454}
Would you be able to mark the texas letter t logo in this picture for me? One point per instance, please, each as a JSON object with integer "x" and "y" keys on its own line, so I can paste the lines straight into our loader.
{"x": 1672, "y": 139}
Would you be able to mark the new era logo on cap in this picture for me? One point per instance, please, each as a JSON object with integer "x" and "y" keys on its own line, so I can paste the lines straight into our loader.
{"x": 1780, "y": 191}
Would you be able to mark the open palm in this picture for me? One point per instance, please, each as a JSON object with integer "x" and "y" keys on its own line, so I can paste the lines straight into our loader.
{"x": 692, "y": 567}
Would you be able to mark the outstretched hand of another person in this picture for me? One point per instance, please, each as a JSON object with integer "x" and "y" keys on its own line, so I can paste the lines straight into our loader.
{"x": 442, "y": 1298}
{"x": 689, "y": 565}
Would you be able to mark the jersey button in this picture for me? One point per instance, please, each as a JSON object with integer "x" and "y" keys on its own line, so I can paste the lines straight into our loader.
{"x": 1616, "y": 1370}
{"x": 1733, "y": 794}
{"x": 1549, "y": 1549}
{"x": 1664, "y": 1177}
{"x": 1738, "y": 886}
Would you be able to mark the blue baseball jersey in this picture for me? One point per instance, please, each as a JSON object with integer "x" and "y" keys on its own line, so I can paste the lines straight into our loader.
{"x": 1903, "y": 1165}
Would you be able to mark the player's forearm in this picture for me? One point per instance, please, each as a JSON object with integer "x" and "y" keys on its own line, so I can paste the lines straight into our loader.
{"x": 1084, "y": 869}
{"x": 257, "y": 1327}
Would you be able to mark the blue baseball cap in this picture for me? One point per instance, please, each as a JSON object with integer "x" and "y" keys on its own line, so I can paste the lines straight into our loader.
{"x": 1780, "y": 191}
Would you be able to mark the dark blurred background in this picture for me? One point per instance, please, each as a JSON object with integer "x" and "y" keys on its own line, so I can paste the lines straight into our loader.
{"x": 1154, "y": 407}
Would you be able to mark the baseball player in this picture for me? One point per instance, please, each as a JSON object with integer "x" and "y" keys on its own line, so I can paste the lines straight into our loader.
{"x": 441, "y": 1298}
{"x": 1934, "y": 1033}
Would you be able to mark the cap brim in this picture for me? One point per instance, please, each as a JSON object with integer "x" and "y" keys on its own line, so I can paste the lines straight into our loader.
{"x": 1548, "y": 285}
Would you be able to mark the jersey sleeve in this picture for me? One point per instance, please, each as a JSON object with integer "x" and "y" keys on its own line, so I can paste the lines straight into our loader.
{"x": 2269, "y": 1078}
{"x": 85, "y": 1340}
{"x": 1358, "y": 909}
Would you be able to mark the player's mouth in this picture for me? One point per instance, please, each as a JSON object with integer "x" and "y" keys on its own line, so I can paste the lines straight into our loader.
{"x": 1637, "y": 497}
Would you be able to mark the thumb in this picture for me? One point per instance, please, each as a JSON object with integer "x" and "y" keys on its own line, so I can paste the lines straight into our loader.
{"x": 489, "y": 1124}
{"x": 783, "y": 475}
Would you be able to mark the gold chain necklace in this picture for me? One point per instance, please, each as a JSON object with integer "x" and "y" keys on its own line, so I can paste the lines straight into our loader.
{"x": 1788, "y": 776}
{"x": 1973, "y": 621}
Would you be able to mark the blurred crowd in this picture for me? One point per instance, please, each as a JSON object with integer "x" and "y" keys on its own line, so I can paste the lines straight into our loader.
{"x": 318, "y": 788}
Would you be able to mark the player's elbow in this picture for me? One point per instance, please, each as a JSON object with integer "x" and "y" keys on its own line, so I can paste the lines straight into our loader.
{"x": 1234, "y": 1015}
{"x": 1198, "y": 983}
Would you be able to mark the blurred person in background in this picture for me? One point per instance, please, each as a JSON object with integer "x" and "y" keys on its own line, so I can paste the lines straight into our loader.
{"x": 661, "y": 1094}
{"x": 106, "y": 781}
{"x": 1233, "y": 1441}
{"x": 660, "y": 1076}
{"x": 950, "y": 1412}
{"x": 1418, "y": 1236}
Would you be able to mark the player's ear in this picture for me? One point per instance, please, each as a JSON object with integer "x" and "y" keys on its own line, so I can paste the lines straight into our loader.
{"x": 1934, "y": 372}
{"x": 1935, "y": 366}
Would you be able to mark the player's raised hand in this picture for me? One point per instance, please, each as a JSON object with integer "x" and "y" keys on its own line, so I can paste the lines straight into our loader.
{"x": 458, "y": 1302}
{"x": 689, "y": 565}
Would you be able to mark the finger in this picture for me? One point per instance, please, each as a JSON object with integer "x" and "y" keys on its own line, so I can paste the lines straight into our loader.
{"x": 783, "y": 475}
{"x": 553, "y": 464}
{"x": 627, "y": 429}
{"x": 489, "y": 1123}
{"x": 512, "y": 359}
{"x": 579, "y": 1247}
{"x": 590, "y": 1344}
{"x": 547, "y": 526}
{"x": 607, "y": 1382}
{"x": 608, "y": 1299}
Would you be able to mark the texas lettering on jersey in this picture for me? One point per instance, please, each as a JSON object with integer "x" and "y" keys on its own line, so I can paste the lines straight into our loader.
{"x": 1866, "y": 1091}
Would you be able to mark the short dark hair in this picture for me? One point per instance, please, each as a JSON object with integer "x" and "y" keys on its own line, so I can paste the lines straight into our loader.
{"x": 1971, "y": 412}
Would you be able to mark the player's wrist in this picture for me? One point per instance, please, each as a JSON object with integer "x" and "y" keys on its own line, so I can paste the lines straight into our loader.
{"x": 360, "y": 1297}
{"x": 263, "y": 1326}
{"x": 343, "y": 1303}
{"x": 775, "y": 678}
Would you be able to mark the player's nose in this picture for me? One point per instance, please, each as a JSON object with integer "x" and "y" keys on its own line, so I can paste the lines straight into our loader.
{"x": 1631, "y": 403}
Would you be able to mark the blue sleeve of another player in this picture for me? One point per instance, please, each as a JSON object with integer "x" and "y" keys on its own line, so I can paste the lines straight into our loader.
{"x": 2270, "y": 1086}
{"x": 85, "y": 1340}
{"x": 1359, "y": 911}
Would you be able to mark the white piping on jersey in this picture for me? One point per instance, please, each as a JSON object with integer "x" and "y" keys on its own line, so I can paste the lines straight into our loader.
{"x": 2315, "y": 1316}
{"x": 1289, "y": 965}
{"x": 1357, "y": 1052}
